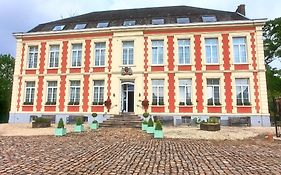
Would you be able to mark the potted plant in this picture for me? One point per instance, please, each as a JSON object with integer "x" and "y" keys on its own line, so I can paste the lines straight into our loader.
{"x": 144, "y": 125}
{"x": 145, "y": 115}
{"x": 158, "y": 133}
{"x": 79, "y": 125}
{"x": 212, "y": 124}
{"x": 145, "y": 104}
{"x": 41, "y": 122}
{"x": 95, "y": 123}
{"x": 150, "y": 126}
{"x": 60, "y": 130}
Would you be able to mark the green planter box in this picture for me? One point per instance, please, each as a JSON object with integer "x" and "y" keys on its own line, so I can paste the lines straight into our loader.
{"x": 94, "y": 126}
{"x": 150, "y": 130}
{"x": 144, "y": 127}
{"x": 158, "y": 134}
{"x": 78, "y": 128}
{"x": 60, "y": 131}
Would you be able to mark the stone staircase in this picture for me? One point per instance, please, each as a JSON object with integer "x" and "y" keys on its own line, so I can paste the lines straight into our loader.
{"x": 126, "y": 120}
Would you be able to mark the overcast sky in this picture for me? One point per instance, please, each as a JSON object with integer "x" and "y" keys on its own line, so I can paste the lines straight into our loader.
{"x": 23, "y": 15}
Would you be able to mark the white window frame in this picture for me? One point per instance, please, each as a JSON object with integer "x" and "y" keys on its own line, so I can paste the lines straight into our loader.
{"x": 239, "y": 46}
{"x": 29, "y": 92}
{"x": 100, "y": 54}
{"x": 75, "y": 55}
{"x": 158, "y": 60}
{"x": 128, "y": 53}
{"x": 211, "y": 89}
{"x": 241, "y": 86}
{"x": 212, "y": 47}
{"x": 52, "y": 92}
{"x": 186, "y": 48}
{"x": 76, "y": 89}
{"x": 99, "y": 90}
{"x": 183, "y": 98}
{"x": 32, "y": 57}
{"x": 159, "y": 87}
{"x": 54, "y": 56}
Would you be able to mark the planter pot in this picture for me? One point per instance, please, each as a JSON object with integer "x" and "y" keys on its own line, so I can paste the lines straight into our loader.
{"x": 150, "y": 129}
{"x": 158, "y": 134}
{"x": 94, "y": 126}
{"x": 41, "y": 124}
{"x": 60, "y": 131}
{"x": 210, "y": 126}
{"x": 144, "y": 127}
{"x": 78, "y": 128}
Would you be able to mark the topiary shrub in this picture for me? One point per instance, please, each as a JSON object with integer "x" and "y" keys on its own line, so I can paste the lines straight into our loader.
{"x": 145, "y": 122}
{"x": 60, "y": 124}
{"x": 94, "y": 114}
{"x": 150, "y": 123}
{"x": 158, "y": 125}
{"x": 145, "y": 115}
{"x": 94, "y": 121}
{"x": 79, "y": 121}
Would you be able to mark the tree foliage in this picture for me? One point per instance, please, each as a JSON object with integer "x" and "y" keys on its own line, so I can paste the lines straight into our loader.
{"x": 7, "y": 64}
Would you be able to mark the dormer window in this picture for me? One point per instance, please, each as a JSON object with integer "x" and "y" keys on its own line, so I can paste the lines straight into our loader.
{"x": 157, "y": 21}
{"x": 209, "y": 19}
{"x": 79, "y": 26}
{"x": 183, "y": 20}
{"x": 58, "y": 27}
{"x": 129, "y": 23}
{"x": 102, "y": 24}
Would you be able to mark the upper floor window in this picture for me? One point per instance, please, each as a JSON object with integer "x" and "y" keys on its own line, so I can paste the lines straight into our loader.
{"x": 183, "y": 20}
{"x": 184, "y": 51}
{"x": 99, "y": 54}
{"x": 213, "y": 91}
{"x": 211, "y": 48}
{"x": 239, "y": 48}
{"x": 29, "y": 92}
{"x": 157, "y": 21}
{"x": 242, "y": 91}
{"x": 128, "y": 53}
{"x": 76, "y": 55}
{"x": 98, "y": 92}
{"x": 32, "y": 56}
{"x": 209, "y": 18}
{"x": 51, "y": 93}
{"x": 157, "y": 92}
{"x": 79, "y": 26}
{"x": 157, "y": 52}
{"x": 129, "y": 23}
{"x": 74, "y": 92}
{"x": 185, "y": 91}
{"x": 54, "y": 56}
{"x": 58, "y": 27}
{"x": 102, "y": 24}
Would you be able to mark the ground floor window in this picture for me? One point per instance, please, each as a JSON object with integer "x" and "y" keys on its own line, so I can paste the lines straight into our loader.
{"x": 185, "y": 91}
{"x": 51, "y": 92}
{"x": 213, "y": 91}
{"x": 242, "y": 91}
{"x": 157, "y": 92}
{"x": 29, "y": 92}
{"x": 98, "y": 92}
{"x": 74, "y": 92}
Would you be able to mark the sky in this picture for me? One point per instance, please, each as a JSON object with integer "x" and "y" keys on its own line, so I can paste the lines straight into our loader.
{"x": 23, "y": 15}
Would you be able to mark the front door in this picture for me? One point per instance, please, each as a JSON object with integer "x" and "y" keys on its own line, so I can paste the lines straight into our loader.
{"x": 127, "y": 97}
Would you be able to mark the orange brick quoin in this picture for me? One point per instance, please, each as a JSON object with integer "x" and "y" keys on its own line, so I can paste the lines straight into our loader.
{"x": 171, "y": 76}
{"x": 20, "y": 78}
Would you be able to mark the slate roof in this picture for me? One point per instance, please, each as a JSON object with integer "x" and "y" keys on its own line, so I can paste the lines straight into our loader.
{"x": 143, "y": 16}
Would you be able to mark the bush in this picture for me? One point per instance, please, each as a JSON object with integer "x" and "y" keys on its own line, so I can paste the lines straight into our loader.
{"x": 94, "y": 114}
{"x": 144, "y": 122}
{"x": 158, "y": 125}
{"x": 79, "y": 121}
{"x": 213, "y": 120}
{"x": 145, "y": 115}
{"x": 196, "y": 120}
{"x": 150, "y": 123}
{"x": 60, "y": 124}
{"x": 41, "y": 120}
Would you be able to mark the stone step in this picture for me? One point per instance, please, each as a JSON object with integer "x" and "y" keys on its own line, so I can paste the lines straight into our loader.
{"x": 120, "y": 125}
{"x": 126, "y": 120}
{"x": 122, "y": 122}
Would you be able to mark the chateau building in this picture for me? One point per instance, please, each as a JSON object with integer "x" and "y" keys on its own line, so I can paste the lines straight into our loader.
{"x": 169, "y": 61}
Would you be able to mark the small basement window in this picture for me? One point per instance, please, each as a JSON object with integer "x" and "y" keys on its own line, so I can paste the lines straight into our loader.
{"x": 157, "y": 21}
{"x": 209, "y": 18}
{"x": 183, "y": 20}
{"x": 79, "y": 26}
{"x": 102, "y": 24}
{"x": 58, "y": 27}
{"x": 129, "y": 23}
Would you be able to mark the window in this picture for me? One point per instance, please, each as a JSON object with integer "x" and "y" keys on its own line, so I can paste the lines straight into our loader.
{"x": 211, "y": 48}
{"x": 98, "y": 92}
{"x": 128, "y": 53}
{"x": 51, "y": 93}
{"x": 213, "y": 91}
{"x": 185, "y": 91}
{"x": 74, "y": 92}
{"x": 54, "y": 56}
{"x": 29, "y": 92}
{"x": 58, "y": 27}
{"x": 79, "y": 26}
{"x": 184, "y": 51}
{"x": 157, "y": 52}
{"x": 102, "y": 24}
{"x": 129, "y": 23}
{"x": 209, "y": 19}
{"x": 99, "y": 54}
{"x": 242, "y": 91}
{"x": 157, "y": 21}
{"x": 32, "y": 56}
{"x": 157, "y": 92}
{"x": 183, "y": 20}
{"x": 76, "y": 55}
{"x": 239, "y": 48}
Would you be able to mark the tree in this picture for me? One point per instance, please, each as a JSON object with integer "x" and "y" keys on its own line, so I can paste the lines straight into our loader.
{"x": 272, "y": 40}
{"x": 7, "y": 64}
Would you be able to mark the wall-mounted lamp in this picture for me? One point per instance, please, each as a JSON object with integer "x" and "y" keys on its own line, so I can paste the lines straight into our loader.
{"x": 113, "y": 94}
{"x": 139, "y": 94}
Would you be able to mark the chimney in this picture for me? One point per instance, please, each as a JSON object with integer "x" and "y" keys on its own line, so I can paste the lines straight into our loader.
{"x": 241, "y": 9}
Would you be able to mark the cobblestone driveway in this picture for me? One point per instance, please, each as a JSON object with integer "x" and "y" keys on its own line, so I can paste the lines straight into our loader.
{"x": 129, "y": 151}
